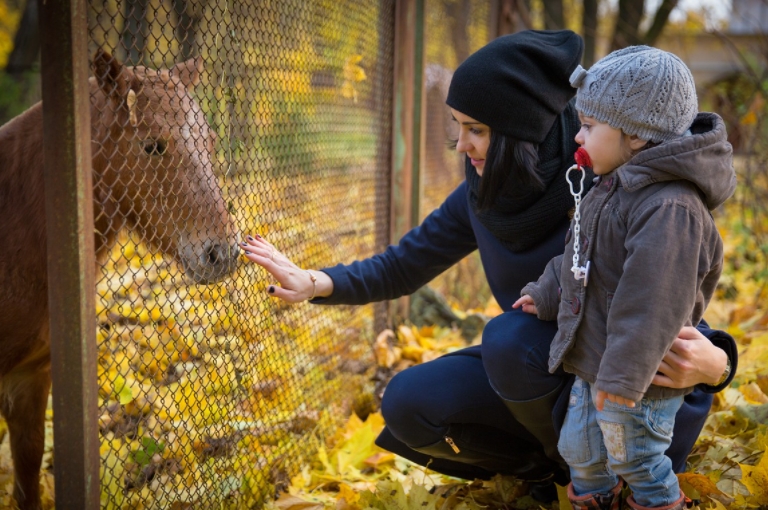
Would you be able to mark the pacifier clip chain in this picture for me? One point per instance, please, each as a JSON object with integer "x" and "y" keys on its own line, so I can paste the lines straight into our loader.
{"x": 582, "y": 160}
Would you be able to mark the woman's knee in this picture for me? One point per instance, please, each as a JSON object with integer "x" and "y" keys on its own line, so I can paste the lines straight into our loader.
{"x": 396, "y": 401}
{"x": 504, "y": 339}
{"x": 516, "y": 355}
{"x": 406, "y": 406}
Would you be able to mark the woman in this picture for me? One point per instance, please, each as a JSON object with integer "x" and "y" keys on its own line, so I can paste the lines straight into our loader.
{"x": 495, "y": 408}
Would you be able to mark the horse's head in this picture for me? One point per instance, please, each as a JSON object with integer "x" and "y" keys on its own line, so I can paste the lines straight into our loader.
{"x": 153, "y": 165}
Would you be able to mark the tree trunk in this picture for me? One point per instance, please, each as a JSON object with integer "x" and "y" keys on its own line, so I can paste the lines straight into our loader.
{"x": 186, "y": 28}
{"x": 26, "y": 43}
{"x": 589, "y": 29}
{"x": 513, "y": 16}
{"x": 458, "y": 16}
{"x": 135, "y": 31}
{"x": 626, "y": 32}
{"x": 659, "y": 21}
{"x": 554, "y": 19}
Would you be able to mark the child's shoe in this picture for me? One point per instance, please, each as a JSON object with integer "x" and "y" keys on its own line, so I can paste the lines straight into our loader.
{"x": 610, "y": 501}
{"x": 680, "y": 504}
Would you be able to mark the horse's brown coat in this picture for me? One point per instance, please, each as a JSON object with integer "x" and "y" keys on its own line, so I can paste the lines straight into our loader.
{"x": 173, "y": 200}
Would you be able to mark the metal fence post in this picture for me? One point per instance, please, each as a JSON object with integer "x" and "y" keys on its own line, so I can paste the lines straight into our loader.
{"x": 69, "y": 216}
{"x": 407, "y": 125}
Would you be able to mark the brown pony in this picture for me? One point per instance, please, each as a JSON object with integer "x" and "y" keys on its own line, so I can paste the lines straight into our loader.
{"x": 152, "y": 171}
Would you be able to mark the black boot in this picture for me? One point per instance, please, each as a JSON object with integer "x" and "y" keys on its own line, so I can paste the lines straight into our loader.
{"x": 536, "y": 416}
{"x": 483, "y": 452}
{"x": 519, "y": 459}
{"x": 490, "y": 449}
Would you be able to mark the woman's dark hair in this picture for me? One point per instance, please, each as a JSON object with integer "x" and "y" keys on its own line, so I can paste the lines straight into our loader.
{"x": 511, "y": 168}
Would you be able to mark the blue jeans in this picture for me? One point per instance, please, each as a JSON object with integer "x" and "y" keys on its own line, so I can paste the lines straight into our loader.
{"x": 600, "y": 446}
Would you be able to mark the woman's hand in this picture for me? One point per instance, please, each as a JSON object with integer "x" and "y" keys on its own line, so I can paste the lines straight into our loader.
{"x": 527, "y": 303}
{"x": 692, "y": 360}
{"x": 602, "y": 396}
{"x": 296, "y": 284}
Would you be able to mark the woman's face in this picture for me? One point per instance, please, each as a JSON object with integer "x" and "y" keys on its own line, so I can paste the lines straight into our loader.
{"x": 474, "y": 138}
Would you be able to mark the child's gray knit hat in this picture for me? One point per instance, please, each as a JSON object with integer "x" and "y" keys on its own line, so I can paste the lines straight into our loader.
{"x": 641, "y": 90}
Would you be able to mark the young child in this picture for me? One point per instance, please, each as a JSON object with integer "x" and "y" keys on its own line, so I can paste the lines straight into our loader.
{"x": 646, "y": 259}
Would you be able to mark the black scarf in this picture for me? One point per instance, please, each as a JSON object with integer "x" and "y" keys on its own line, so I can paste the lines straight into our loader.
{"x": 524, "y": 217}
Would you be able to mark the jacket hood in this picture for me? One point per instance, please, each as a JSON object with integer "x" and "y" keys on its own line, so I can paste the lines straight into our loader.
{"x": 703, "y": 157}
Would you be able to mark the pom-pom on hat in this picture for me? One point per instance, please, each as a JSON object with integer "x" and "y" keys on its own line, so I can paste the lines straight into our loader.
{"x": 518, "y": 84}
{"x": 641, "y": 90}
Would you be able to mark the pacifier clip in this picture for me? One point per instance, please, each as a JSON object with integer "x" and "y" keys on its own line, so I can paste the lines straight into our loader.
{"x": 582, "y": 160}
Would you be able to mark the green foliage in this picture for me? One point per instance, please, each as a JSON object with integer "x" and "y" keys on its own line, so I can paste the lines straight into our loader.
{"x": 149, "y": 447}
{"x": 16, "y": 95}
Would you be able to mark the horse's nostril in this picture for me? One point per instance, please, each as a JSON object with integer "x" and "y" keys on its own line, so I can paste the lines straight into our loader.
{"x": 213, "y": 254}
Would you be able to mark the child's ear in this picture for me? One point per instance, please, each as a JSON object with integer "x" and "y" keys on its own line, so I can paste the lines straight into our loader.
{"x": 635, "y": 143}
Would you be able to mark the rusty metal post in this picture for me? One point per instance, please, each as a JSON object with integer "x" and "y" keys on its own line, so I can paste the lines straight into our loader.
{"x": 71, "y": 266}
{"x": 408, "y": 125}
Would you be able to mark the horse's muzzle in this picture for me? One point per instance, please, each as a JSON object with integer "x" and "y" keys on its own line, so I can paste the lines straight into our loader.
{"x": 211, "y": 262}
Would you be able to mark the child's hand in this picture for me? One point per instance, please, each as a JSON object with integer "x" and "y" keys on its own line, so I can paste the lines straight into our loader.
{"x": 527, "y": 303}
{"x": 603, "y": 395}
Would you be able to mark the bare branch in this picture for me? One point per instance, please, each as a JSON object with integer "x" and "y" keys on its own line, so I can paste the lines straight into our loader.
{"x": 627, "y": 24}
{"x": 659, "y": 21}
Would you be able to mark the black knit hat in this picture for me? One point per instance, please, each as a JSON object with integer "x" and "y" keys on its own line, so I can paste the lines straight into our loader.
{"x": 519, "y": 83}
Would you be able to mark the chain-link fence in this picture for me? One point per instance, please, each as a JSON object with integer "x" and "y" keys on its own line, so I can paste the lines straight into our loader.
{"x": 268, "y": 117}
{"x": 454, "y": 29}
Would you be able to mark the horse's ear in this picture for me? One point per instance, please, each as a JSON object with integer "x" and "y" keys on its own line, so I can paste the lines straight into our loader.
{"x": 117, "y": 81}
{"x": 111, "y": 74}
{"x": 189, "y": 71}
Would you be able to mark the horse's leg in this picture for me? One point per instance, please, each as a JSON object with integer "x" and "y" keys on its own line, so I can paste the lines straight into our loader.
{"x": 23, "y": 406}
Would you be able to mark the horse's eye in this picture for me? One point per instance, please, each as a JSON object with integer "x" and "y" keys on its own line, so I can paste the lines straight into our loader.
{"x": 154, "y": 147}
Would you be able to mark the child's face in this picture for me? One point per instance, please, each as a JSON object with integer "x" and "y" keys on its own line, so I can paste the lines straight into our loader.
{"x": 474, "y": 139}
{"x": 608, "y": 147}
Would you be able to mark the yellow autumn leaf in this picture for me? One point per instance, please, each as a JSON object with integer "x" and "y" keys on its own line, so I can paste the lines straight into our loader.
{"x": 748, "y": 119}
{"x": 761, "y": 439}
{"x": 407, "y": 336}
{"x": 348, "y": 90}
{"x": 413, "y": 352}
{"x": 352, "y": 71}
{"x": 427, "y": 331}
{"x": 753, "y": 393}
{"x": 697, "y": 486}
{"x": 377, "y": 459}
{"x": 387, "y": 354}
{"x": 288, "y": 502}
{"x": 755, "y": 478}
{"x": 349, "y": 496}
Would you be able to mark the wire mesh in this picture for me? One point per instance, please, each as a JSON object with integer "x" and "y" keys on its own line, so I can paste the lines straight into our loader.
{"x": 214, "y": 120}
{"x": 454, "y": 30}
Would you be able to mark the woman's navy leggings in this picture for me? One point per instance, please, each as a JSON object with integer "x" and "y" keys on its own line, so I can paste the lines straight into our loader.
{"x": 466, "y": 388}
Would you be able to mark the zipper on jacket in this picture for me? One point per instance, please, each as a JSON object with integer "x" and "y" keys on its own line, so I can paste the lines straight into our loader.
{"x": 449, "y": 440}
